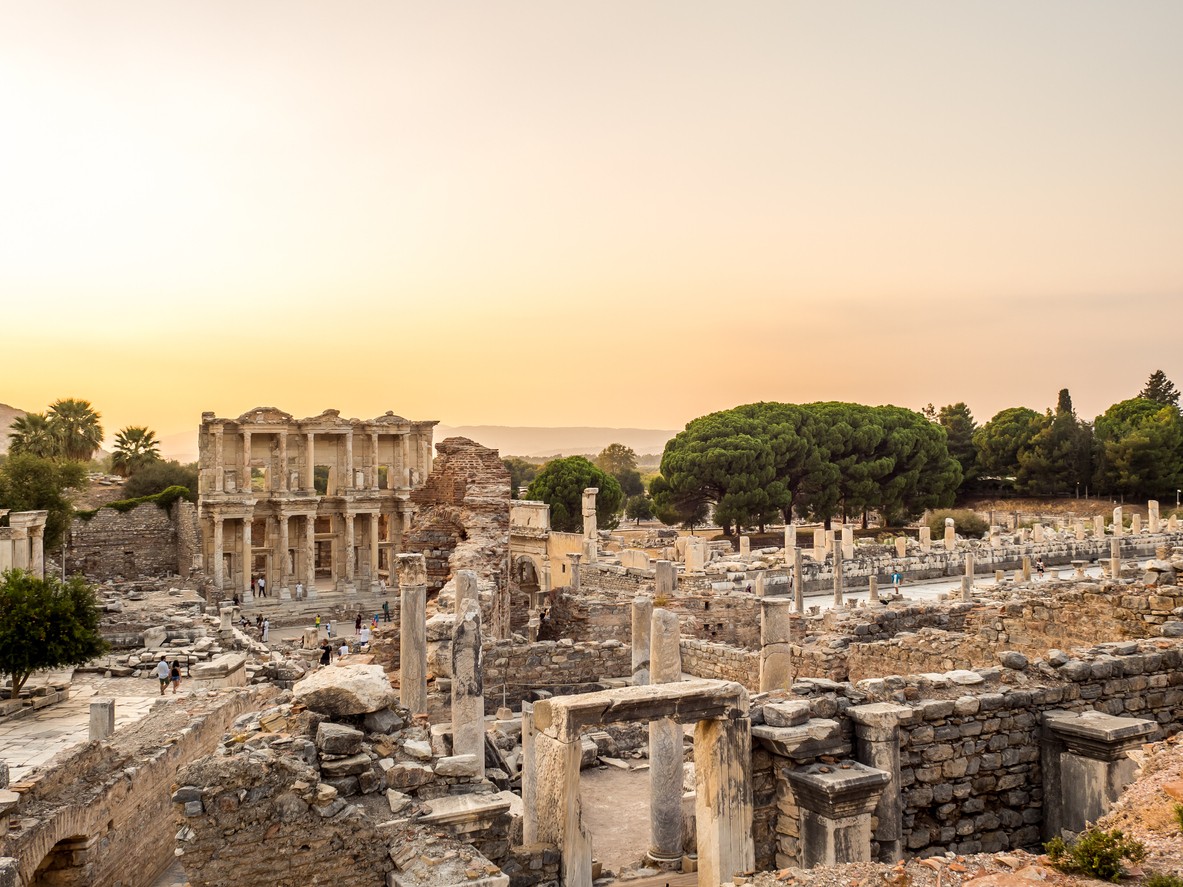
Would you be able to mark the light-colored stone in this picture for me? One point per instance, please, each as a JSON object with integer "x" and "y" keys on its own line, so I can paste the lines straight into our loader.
{"x": 346, "y": 690}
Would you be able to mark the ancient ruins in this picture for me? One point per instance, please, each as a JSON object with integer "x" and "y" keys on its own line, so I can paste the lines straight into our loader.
{"x": 830, "y": 700}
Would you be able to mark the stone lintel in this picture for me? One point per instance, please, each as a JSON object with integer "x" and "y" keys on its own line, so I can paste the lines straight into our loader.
{"x": 877, "y": 721}
{"x": 840, "y": 790}
{"x": 685, "y": 702}
{"x": 819, "y": 736}
{"x": 1097, "y": 735}
{"x": 459, "y": 809}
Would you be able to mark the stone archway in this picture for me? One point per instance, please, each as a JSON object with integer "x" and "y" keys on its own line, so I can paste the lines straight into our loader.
{"x": 67, "y": 864}
{"x": 722, "y": 756}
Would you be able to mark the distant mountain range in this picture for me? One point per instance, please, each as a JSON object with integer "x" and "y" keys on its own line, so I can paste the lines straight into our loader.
{"x": 532, "y": 442}
{"x": 7, "y": 414}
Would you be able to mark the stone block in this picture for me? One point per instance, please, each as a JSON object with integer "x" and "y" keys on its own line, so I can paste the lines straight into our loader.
{"x": 338, "y": 739}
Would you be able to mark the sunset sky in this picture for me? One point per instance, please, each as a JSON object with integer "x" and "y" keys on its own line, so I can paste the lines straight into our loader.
{"x": 601, "y": 213}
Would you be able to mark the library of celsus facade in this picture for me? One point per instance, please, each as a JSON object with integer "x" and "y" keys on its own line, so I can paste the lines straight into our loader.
{"x": 307, "y": 503}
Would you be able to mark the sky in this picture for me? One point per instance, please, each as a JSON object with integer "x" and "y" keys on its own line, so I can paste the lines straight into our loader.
{"x": 612, "y": 213}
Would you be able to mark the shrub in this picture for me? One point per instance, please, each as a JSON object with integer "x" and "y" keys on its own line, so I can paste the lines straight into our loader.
{"x": 1095, "y": 852}
{"x": 969, "y": 523}
{"x": 1161, "y": 880}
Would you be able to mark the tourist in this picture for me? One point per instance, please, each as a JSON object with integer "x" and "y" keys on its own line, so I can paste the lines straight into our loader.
{"x": 262, "y": 586}
{"x": 266, "y": 629}
{"x": 236, "y": 598}
{"x": 299, "y": 591}
{"x": 326, "y": 653}
{"x": 374, "y": 623}
{"x": 357, "y": 624}
{"x": 328, "y": 628}
{"x": 163, "y": 673}
{"x": 175, "y": 675}
{"x": 1039, "y": 568}
{"x": 365, "y": 635}
{"x": 318, "y": 623}
{"x": 344, "y": 651}
{"x": 259, "y": 622}
{"x": 254, "y": 585}
{"x": 386, "y": 611}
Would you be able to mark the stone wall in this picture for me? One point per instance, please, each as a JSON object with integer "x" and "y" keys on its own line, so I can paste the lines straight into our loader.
{"x": 558, "y": 666}
{"x": 721, "y": 662}
{"x": 141, "y": 542}
{"x": 104, "y": 807}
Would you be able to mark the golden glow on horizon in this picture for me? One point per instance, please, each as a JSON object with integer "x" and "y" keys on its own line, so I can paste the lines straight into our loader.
{"x": 610, "y": 214}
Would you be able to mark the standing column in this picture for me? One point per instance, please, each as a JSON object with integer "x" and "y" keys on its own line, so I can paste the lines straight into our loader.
{"x": 790, "y": 541}
{"x": 466, "y": 590}
{"x": 1152, "y": 516}
{"x": 1118, "y": 522}
{"x": 310, "y": 554}
{"x": 848, "y": 543}
{"x": 838, "y": 568}
{"x": 219, "y": 465}
{"x": 665, "y": 578}
{"x": 967, "y": 581}
{"x": 873, "y": 589}
{"x": 798, "y": 582}
{"x": 374, "y": 466}
{"x": 1115, "y": 558}
{"x": 574, "y": 583}
{"x": 348, "y": 461}
{"x": 347, "y": 542}
{"x": 950, "y": 534}
{"x": 37, "y": 551}
{"x": 501, "y": 616}
{"x": 375, "y": 529}
{"x": 776, "y": 643}
{"x": 641, "y": 623}
{"x": 283, "y": 573}
{"x": 217, "y": 564}
{"x": 723, "y": 802}
{"x": 244, "y": 469}
{"x": 412, "y": 581}
{"x": 310, "y": 461}
{"x": 590, "y": 538}
{"x": 468, "y": 695}
{"x": 529, "y": 777}
{"x": 665, "y": 746}
{"x": 247, "y": 558}
{"x": 546, "y": 574}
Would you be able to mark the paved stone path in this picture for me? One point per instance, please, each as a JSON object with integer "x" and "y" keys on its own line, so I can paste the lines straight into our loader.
{"x": 31, "y": 741}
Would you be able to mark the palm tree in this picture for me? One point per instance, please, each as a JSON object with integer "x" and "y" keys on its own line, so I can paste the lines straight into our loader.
{"x": 77, "y": 427}
{"x": 32, "y": 435}
{"x": 135, "y": 447}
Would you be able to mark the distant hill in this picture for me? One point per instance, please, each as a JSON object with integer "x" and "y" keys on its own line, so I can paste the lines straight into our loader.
{"x": 7, "y": 414}
{"x": 542, "y": 441}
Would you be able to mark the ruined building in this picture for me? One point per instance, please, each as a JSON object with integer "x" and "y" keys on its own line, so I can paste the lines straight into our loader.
{"x": 322, "y": 501}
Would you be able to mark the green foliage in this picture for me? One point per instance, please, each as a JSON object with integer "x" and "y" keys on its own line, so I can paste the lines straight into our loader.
{"x": 1159, "y": 879}
{"x": 616, "y": 458}
{"x": 31, "y": 435}
{"x": 320, "y": 479}
{"x": 1178, "y": 810}
{"x": 1058, "y": 456}
{"x": 521, "y": 472}
{"x": 968, "y": 523}
{"x": 45, "y": 623}
{"x": 33, "y": 483}
{"x": 1160, "y": 389}
{"x": 1095, "y": 853}
{"x": 671, "y": 509}
{"x": 164, "y": 499}
{"x": 156, "y": 477}
{"x": 630, "y": 482}
{"x": 135, "y": 447}
{"x": 1000, "y": 441}
{"x": 960, "y": 426}
{"x": 561, "y": 483}
{"x": 638, "y": 508}
{"x": 1139, "y": 449}
{"x": 76, "y": 426}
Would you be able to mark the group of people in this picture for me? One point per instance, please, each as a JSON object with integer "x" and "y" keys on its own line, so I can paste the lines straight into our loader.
{"x": 168, "y": 674}
{"x": 259, "y": 585}
{"x": 262, "y": 625}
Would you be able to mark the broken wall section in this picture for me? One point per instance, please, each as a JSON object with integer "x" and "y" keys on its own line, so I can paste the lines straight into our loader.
{"x": 147, "y": 541}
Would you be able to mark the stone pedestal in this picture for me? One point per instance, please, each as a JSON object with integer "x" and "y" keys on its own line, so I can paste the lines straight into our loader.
{"x": 412, "y": 579}
{"x": 776, "y": 659}
{"x": 102, "y": 718}
{"x": 1086, "y": 764}
{"x": 877, "y": 744}
{"x": 665, "y": 747}
{"x": 1099, "y": 525}
{"x": 1152, "y": 516}
{"x": 848, "y": 543}
{"x": 468, "y": 697}
{"x": 642, "y": 618}
{"x": 901, "y": 546}
{"x": 310, "y": 638}
{"x": 745, "y": 545}
{"x": 225, "y": 614}
{"x": 836, "y": 808}
{"x": 950, "y": 534}
{"x": 926, "y": 539}
{"x": 873, "y": 589}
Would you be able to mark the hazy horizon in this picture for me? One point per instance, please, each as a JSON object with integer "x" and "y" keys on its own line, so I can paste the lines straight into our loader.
{"x": 561, "y": 214}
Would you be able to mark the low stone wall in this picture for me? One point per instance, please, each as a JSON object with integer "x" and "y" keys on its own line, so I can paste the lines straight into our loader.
{"x": 721, "y": 662}
{"x": 518, "y": 668}
{"x": 104, "y": 808}
{"x": 145, "y": 541}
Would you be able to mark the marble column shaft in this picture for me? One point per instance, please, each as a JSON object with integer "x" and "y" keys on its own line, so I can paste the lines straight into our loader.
{"x": 798, "y": 581}
{"x": 776, "y": 640}
{"x": 247, "y": 553}
{"x": 665, "y": 743}
{"x": 642, "y": 618}
{"x": 466, "y": 590}
{"x": 468, "y": 695}
{"x": 412, "y": 578}
{"x": 347, "y": 542}
{"x": 838, "y": 568}
{"x": 723, "y": 807}
{"x": 665, "y": 578}
{"x": 1115, "y": 557}
{"x": 216, "y": 568}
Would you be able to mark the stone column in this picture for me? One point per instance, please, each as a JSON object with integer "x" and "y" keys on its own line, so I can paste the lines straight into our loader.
{"x": 798, "y": 582}
{"x": 412, "y": 580}
{"x": 1086, "y": 765}
{"x": 1098, "y": 525}
{"x": 665, "y": 578}
{"x": 1135, "y": 524}
{"x": 310, "y": 461}
{"x": 310, "y": 554}
{"x": 848, "y": 543}
{"x": 590, "y": 538}
{"x": 723, "y": 802}
{"x": 348, "y": 472}
{"x": 244, "y": 465}
{"x": 1152, "y": 517}
{"x": 877, "y": 744}
{"x": 926, "y": 538}
{"x": 217, "y": 554}
{"x": 282, "y": 467}
{"x": 950, "y": 534}
{"x": 556, "y": 792}
{"x": 1037, "y": 533}
{"x": 20, "y": 547}
{"x": 901, "y": 546}
{"x": 819, "y": 544}
{"x": 468, "y": 695}
{"x": 247, "y": 556}
{"x": 776, "y": 643}
{"x": 102, "y": 718}
{"x": 836, "y": 805}
{"x": 374, "y": 466}
{"x": 1078, "y": 530}
{"x": 574, "y": 583}
{"x": 665, "y": 747}
{"x": 745, "y": 545}
{"x": 790, "y": 541}
{"x": 837, "y": 569}
{"x": 996, "y": 537}
{"x": 529, "y": 777}
{"x": 1118, "y": 522}
{"x": 1115, "y": 558}
{"x": 281, "y": 555}
{"x": 37, "y": 551}
{"x": 873, "y": 589}
{"x": 219, "y": 463}
{"x": 466, "y": 590}
{"x": 1026, "y": 568}
{"x": 642, "y": 618}
{"x": 347, "y": 543}
{"x": 967, "y": 581}
{"x": 546, "y": 577}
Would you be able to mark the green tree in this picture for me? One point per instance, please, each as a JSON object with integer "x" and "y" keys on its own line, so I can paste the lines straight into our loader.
{"x": 31, "y": 483}
{"x": 1058, "y": 455}
{"x": 630, "y": 482}
{"x": 959, "y": 425}
{"x": 560, "y": 484}
{"x": 158, "y": 476}
{"x": 1001, "y": 440}
{"x": 76, "y": 426}
{"x": 690, "y": 510}
{"x": 521, "y": 472}
{"x": 135, "y": 447}
{"x": 46, "y": 623}
{"x": 1139, "y": 448}
{"x": 31, "y": 434}
{"x": 621, "y": 462}
{"x": 1160, "y": 389}
{"x": 638, "y": 508}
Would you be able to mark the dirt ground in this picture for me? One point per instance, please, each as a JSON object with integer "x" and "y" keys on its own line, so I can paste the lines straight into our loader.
{"x": 616, "y": 813}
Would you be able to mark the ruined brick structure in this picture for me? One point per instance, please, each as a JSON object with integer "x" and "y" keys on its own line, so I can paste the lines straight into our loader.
{"x": 145, "y": 541}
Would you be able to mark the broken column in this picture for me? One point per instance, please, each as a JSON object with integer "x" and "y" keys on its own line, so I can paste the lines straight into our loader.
{"x": 901, "y": 546}
{"x": 745, "y": 545}
{"x": 1026, "y": 568}
{"x": 529, "y": 777}
{"x": 950, "y": 534}
{"x": 1152, "y": 516}
{"x": 798, "y": 582}
{"x": 468, "y": 697}
{"x": 1118, "y": 522}
{"x": 412, "y": 646}
{"x": 836, "y": 803}
{"x": 790, "y": 541}
{"x": 723, "y": 806}
{"x": 967, "y": 581}
{"x": 819, "y": 544}
{"x": 873, "y": 589}
{"x": 665, "y": 747}
{"x": 1115, "y": 558}
{"x": 837, "y": 569}
{"x": 642, "y": 617}
{"x": 1078, "y": 530}
{"x": 848, "y": 543}
{"x": 776, "y": 643}
{"x": 1099, "y": 525}
{"x": 574, "y": 583}
{"x": 665, "y": 578}
{"x": 1086, "y": 764}
{"x": 590, "y": 538}
{"x": 877, "y": 744}
{"x": 926, "y": 538}
{"x": 466, "y": 590}
{"x": 102, "y": 718}
{"x": 696, "y": 554}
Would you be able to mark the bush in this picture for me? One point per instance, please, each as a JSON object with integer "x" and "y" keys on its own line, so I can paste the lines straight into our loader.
{"x": 156, "y": 477}
{"x": 1161, "y": 880}
{"x": 1179, "y": 815}
{"x": 164, "y": 499}
{"x": 969, "y": 523}
{"x": 1095, "y": 853}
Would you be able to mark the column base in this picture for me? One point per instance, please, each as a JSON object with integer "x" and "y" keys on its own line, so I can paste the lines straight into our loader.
{"x": 310, "y": 592}
{"x": 285, "y": 594}
{"x": 664, "y": 863}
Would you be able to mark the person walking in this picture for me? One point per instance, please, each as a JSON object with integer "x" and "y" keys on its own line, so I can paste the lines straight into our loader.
{"x": 357, "y": 623}
{"x": 326, "y": 653}
{"x": 386, "y": 611}
{"x": 163, "y": 673}
{"x": 175, "y": 675}
{"x": 266, "y": 629}
{"x": 328, "y": 628}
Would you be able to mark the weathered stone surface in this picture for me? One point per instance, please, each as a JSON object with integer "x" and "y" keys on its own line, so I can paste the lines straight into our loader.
{"x": 346, "y": 690}
{"x": 349, "y": 766}
{"x": 1014, "y": 660}
{"x": 787, "y": 714}
{"x": 337, "y": 739}
{"x": 408, "y": 775}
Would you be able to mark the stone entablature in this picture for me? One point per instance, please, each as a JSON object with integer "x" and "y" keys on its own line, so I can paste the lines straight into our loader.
{"x": 22, "y": 542}
{"x": 321, "y": 500}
